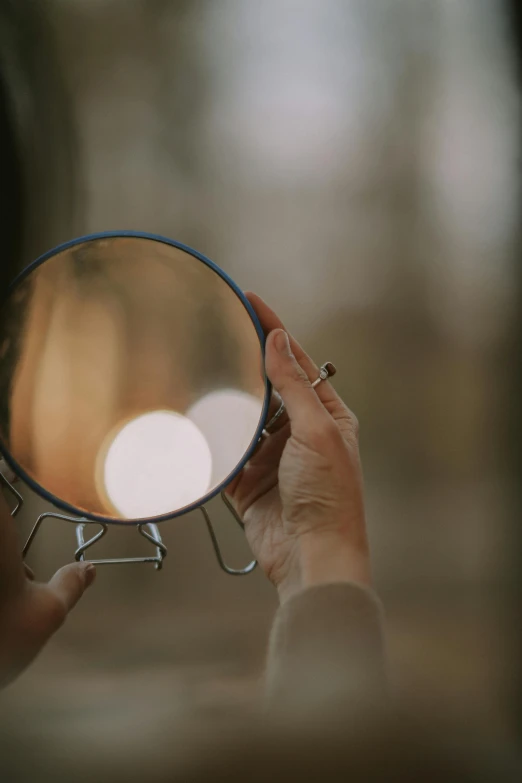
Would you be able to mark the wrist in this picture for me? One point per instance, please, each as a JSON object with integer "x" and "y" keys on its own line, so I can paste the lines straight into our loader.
{"x": 326, "y": 557}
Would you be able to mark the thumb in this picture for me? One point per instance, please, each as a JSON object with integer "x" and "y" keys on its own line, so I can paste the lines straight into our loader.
{"x": 288, "y": 378}
{"x": 70, "y": 582}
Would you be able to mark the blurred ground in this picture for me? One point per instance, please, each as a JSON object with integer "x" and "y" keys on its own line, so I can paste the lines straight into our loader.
{"x": 352, "y": 162}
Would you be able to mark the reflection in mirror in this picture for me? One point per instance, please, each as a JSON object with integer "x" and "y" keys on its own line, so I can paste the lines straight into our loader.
{"x": 131, "y": 380}
{"x": 156, "y": 462}
{"x": 226, "y": 418}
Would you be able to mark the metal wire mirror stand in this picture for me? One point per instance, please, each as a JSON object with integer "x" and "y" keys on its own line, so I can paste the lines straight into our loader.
{"x": 148, "y": 530}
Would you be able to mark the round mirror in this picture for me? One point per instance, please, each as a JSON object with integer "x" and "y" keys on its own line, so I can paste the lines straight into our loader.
{"x": 132, "y": 381}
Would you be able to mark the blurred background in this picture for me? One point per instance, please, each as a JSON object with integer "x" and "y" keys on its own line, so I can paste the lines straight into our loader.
{"x": 355, "y": 162}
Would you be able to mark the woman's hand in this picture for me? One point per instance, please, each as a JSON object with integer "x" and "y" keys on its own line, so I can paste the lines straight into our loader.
{"x": 301, "y": 494}
{"x": 30, "y": 612}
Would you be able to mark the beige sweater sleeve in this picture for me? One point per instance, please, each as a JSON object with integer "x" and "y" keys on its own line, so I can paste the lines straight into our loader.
{"x": 327, "y": 650}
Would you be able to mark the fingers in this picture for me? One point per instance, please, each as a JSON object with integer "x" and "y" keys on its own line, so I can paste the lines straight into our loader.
{"x": 70, "y": 582}
{"x": 269, "y": 321}
{"x": 288, "y": 378}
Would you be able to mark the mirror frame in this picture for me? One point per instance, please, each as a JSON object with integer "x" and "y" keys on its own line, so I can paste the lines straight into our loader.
{"x": 57, "y": 502}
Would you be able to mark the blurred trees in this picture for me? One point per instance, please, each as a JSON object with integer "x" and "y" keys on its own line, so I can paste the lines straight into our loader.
{"x": 356, "y": 164}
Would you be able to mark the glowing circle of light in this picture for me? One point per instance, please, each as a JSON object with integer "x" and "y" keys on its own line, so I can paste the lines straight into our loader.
{"x": 157, "y": 463}
{"x": 228, "y": 418}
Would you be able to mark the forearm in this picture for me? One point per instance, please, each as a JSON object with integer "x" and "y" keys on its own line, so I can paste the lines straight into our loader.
{"x": 327, "y": 650}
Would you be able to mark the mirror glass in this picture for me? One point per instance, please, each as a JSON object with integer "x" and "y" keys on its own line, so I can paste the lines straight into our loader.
{"x": 131, "y": 378}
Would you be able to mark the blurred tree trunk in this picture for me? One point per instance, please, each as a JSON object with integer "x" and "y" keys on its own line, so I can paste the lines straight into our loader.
{"x": 38, "y": 136}
{"x": 514, "y": 11}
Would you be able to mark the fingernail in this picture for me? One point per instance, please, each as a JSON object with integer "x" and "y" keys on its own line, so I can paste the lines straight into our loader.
{"x": 282, "y": 343}
{"x": 89, "y": 574}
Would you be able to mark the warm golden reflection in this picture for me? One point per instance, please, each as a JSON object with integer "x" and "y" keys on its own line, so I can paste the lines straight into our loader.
{"x": 110, "y": 330}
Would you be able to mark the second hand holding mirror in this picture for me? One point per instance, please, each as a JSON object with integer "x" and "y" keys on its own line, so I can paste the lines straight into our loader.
{"x": 132, "y": 385}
